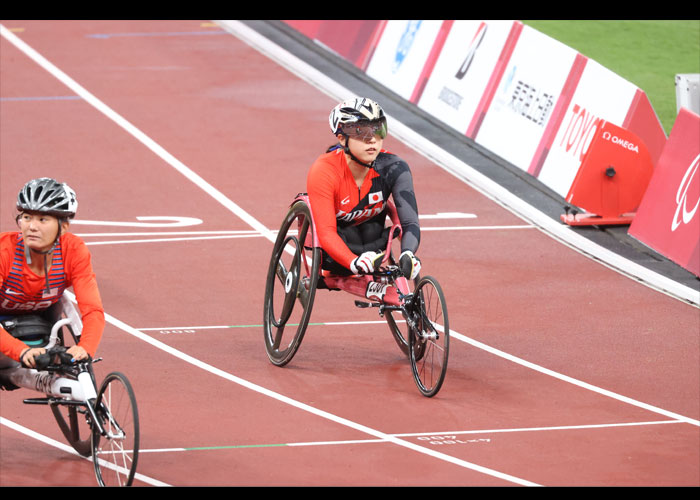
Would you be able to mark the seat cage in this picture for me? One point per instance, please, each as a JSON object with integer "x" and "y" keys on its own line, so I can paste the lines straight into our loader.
{"x": 366, "y": 285}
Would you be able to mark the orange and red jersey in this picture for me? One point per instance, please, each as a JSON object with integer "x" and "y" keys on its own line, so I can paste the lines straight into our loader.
{"x": 337, "y": 202}
{"x": 22, "y": 291}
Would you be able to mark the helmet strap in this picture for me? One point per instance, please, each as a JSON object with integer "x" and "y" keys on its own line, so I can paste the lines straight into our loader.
{"x": 28, "y": 256}
{"x": 346, "y": 148}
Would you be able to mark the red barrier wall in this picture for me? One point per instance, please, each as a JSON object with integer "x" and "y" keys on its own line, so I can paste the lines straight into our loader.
{"x": 668, "y": 220}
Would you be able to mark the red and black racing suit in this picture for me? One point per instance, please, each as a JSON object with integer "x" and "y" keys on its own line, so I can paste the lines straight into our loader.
{"x": 350, "y": 221}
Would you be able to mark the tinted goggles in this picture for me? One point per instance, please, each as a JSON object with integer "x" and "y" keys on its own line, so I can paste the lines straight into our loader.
{"x": 366, "y": 130}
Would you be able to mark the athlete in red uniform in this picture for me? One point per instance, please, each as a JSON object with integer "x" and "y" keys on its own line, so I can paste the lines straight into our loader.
{"x": 349, "y": 187}
{"x": 38, "y": 263}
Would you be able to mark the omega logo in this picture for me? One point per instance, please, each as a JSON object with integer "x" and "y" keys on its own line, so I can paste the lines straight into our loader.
{"x": 622, "y": 142}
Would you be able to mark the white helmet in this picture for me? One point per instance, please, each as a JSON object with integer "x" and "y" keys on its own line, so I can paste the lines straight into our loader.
{"x": 355, "y": 110}
{"x": 47, "y": 196}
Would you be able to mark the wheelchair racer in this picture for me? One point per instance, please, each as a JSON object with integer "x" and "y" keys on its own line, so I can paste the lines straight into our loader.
{"x": 349, "y": 187}
{"x": 37, "y": 263}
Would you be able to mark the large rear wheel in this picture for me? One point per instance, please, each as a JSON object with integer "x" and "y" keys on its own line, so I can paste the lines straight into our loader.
{"x": 290, "y": 289}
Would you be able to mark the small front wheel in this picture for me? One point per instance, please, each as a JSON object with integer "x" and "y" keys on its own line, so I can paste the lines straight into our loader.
{"x": 73, "y": 423}
{"x": 395, "y": 326}
{"x": 429, "y": 336}
{"x": 116, "y": 453}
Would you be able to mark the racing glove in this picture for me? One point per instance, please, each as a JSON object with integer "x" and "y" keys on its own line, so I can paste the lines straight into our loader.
{"x": 365, "y": 263}
{"x": 409, "y": 264}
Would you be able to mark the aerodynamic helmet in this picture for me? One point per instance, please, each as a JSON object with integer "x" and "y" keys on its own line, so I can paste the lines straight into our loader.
{"x": 357, "y": 111}
{"x": 47, "y": 196}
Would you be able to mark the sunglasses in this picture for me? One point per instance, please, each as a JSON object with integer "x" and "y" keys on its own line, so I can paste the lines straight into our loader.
{"x": 365, "y": 131}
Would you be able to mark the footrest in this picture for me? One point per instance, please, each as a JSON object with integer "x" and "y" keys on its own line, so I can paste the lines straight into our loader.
{"x": 36, "y": 401}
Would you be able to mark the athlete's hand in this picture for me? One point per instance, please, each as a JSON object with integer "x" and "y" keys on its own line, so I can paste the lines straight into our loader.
{"x": 410, "y": 265}
{"x": 78, "y": 352}
{"x": 27, "y": 358}
{"x": 365, "y": 263}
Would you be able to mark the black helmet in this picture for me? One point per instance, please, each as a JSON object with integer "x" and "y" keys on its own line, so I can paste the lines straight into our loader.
{"x": 47, "y": 196}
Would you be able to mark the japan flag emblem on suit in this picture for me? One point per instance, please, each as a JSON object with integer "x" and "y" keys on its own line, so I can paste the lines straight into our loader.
{"x": 375, "y": 197}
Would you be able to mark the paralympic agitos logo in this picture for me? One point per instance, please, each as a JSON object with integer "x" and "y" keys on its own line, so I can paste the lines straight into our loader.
{"x": 684, "y": 214}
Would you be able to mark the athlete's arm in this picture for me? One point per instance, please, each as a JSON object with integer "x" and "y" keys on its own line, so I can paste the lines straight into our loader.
{"x": 320, "y": 185}
{"x": 404, "y": 196}
{"x": 87, "y": 294}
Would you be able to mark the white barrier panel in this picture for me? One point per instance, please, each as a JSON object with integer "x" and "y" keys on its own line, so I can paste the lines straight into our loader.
{"x": 519, "y": 113}
{"x": 522, "y": 95}
{"x": 402, "y": 53}
{"x": 463, "y": 70}
{"x": 600, "y": 95}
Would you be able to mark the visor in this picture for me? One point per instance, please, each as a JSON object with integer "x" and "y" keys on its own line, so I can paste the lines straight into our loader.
{"x": 364, "y": 130}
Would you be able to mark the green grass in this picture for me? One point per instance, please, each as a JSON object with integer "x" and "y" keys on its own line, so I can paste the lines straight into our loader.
{"x": 648, "y": 53}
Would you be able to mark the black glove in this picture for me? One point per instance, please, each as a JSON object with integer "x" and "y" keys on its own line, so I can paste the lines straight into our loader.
{"x": 409, "y": 264}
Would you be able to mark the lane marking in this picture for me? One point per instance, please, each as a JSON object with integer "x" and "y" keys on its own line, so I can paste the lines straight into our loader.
{"x": 144, "y": 221}
{"x": 432, "y": 437}
{"x": 310, "y": 409}
{"x": 149, "y": 143}
{"x": 224, "y": 327}
{"x": 158, "y": 237}
{"x": 156, "y": 34}
{"x": 546, "y": 371}
{"x": 64, "y": 447}
{"x": 41, "y": 98}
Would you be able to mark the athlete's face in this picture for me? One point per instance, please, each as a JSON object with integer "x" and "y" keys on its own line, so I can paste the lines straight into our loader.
{"x": 365, "y": 149}
{"x": 39, "y": 231}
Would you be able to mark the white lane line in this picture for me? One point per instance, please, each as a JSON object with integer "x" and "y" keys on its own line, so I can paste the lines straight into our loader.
{"x": 160, "y": 237}
{"x": 310, "y": 409}
{"x": 136, "y": 133}
{"x": 497, "y": 352}
{"x": 64, "y": 447}
{"x": 438, "y": 438}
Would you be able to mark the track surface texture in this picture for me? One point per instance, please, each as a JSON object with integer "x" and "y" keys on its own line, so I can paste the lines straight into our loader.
{"x": 562, "y": 371}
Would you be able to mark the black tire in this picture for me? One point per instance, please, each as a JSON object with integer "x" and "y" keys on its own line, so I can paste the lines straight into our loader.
{"x": 115, "y": 455}
{"x": 401, "y": 336}
{"x": 429, "y": 338}
{"x": 72, "y": 421}
{"x": 291, "y": 284}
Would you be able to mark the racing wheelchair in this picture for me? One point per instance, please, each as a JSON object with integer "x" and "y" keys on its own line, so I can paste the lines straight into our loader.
{"x": 102, "y": 421}
{"x": 415, "y": 311}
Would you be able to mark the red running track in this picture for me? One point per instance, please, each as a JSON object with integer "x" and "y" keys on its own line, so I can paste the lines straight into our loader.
{"x": 562, "y": 371}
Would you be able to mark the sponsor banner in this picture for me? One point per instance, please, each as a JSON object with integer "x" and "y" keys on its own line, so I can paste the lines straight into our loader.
{"x": 352, "y": 40}
{"x": 600, "y": 96}
{"x": 668, "y": 219}
{"x": 402, "y": 54}
{"x": 463, "y": 70}
{"x": 533, "y": 80}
